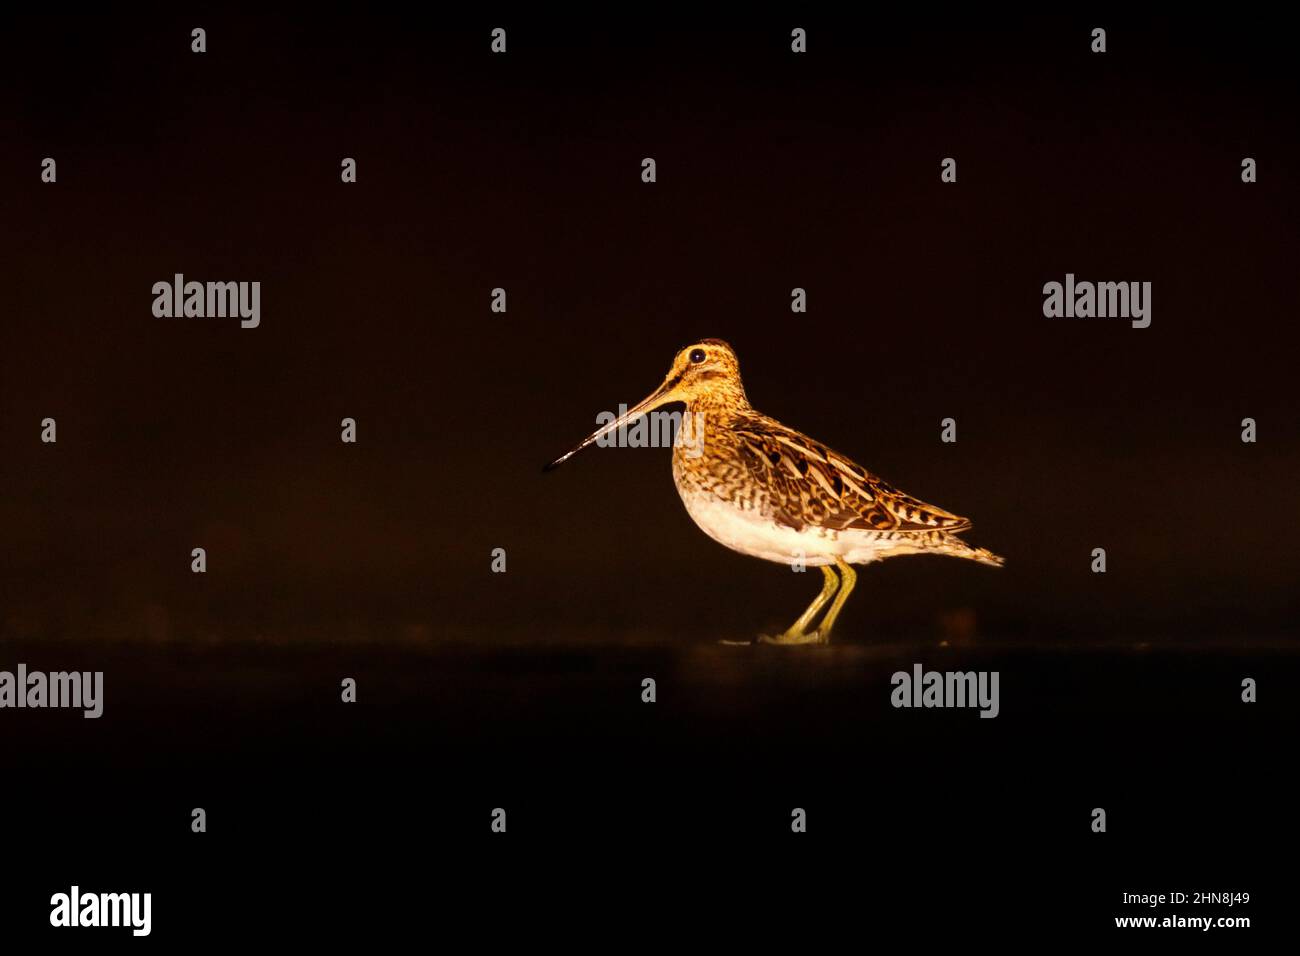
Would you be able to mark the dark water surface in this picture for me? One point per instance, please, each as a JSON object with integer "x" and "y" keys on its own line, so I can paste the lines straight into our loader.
{"x": 951, "y": 810}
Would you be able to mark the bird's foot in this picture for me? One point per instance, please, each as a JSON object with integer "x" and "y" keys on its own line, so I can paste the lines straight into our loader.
{"x": 792, "y": 637}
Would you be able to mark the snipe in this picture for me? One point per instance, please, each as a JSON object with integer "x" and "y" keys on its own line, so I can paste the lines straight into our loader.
{"x": 768, "y": 491}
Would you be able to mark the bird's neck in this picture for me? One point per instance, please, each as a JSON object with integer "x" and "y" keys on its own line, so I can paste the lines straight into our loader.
{"x": 720, "y": 404}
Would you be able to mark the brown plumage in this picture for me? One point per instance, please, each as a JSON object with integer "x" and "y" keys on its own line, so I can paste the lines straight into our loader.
{"x": 766, "y": 490}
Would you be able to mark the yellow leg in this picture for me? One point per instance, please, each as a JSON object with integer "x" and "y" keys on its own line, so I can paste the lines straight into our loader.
{"x": 798, "y": 632}
{"x": 850, "y": 578}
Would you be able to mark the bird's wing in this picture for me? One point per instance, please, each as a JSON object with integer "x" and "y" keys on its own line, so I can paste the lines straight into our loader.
{"x": 809, "y": 484}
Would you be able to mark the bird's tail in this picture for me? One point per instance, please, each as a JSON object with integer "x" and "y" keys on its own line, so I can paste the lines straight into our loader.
{"x": 958, "y": 548}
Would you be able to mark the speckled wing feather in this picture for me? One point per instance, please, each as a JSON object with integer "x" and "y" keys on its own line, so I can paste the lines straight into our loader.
{"x": 809, "y": 484}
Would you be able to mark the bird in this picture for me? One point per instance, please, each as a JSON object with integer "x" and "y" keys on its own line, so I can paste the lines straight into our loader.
{"x": 765, "y": 490}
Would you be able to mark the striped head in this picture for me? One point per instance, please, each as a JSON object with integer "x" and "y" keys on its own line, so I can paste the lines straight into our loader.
{"x": 706, "y": 373}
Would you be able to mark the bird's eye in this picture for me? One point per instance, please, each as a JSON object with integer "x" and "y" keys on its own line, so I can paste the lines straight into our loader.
{"x": 697, "y": 356}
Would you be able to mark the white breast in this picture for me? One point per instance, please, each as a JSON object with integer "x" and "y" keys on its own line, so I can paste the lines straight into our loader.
{"x": 748, "y": 532}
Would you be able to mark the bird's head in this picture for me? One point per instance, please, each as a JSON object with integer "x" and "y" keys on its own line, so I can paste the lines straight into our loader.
{"x": 704, "y": 374}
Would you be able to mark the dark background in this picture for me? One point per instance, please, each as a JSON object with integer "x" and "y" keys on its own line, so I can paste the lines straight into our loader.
{"x": 523, "y": 171}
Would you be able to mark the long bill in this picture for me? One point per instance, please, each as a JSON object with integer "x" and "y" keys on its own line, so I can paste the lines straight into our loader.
{"x": 663, "y": 395}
